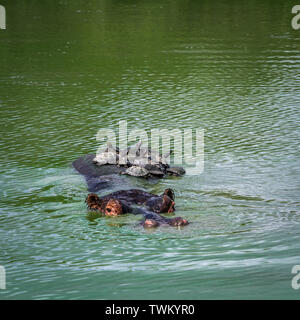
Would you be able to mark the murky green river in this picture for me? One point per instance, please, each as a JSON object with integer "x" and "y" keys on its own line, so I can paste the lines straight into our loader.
{"x": 69, "y": 68}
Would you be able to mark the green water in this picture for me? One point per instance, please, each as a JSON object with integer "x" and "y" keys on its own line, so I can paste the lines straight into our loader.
{"x": 69, "y": 68}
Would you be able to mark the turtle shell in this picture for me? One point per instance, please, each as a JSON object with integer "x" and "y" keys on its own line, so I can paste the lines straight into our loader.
{"x": 156, "y": 169}
{"x": 157, "y": 173}
{"x": 100, "y": 159}
{"x": 105, "y": 158}
{"x": 112, "y": 157}
{"x": 140, "y": 162}
{"x": 136, "y": 171}
{"x": 152, "y": 166}
{"x": 124, "y": 152}
{"x": 155, "y": 157}
{"x": 122, "y": 160}
{"x": 134, "y": 150}
{"x": 175, "y": 171}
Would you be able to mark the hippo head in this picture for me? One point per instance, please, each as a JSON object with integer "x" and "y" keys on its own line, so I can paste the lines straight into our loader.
{"x": 161, "y": 204}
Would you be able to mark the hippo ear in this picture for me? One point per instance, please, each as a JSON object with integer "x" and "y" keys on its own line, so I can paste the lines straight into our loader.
{"x": 170, "y": 193}
{"x": 92, "y": 200}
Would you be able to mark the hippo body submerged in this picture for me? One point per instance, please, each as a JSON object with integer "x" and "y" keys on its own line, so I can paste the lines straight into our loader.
{"x": 105, "y": 176}
{"x": 99, "y": 177}
{"x": 135, "y": 201}
{"x": 85, "y": 166}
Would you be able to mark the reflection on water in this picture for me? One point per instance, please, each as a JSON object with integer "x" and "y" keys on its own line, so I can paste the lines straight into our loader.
{"x": 69, "y": 68}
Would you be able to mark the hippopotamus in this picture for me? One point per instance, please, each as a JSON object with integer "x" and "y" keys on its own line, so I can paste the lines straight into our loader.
{"x": 123, "y": 201}
{"x": 133, "y": 201}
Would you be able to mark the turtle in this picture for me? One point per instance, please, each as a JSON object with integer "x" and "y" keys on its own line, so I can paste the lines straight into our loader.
{"x": 123, "y": 161}
{"x": 133, "y": 150}
{"x": 100, "y": 159}
{"x": 175, "y": 171}
{"x": 155, "y": 157}
{"x": 144, "y": 152}
{"x": 136, "y": 171}
{"x": 140, "y": 162}
{"x": 155, "y": 169}
{"x": 140, "y": 156}
{"x": 109, "y": 148}
{"x": 128, "y": 155}
{"x": 164, "y": 157}
{"x": 108, "y": 156}
{"x": 157, "y": 173}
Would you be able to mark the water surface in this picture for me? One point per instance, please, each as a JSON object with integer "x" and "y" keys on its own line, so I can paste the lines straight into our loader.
{"x": 69, "y": 68}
